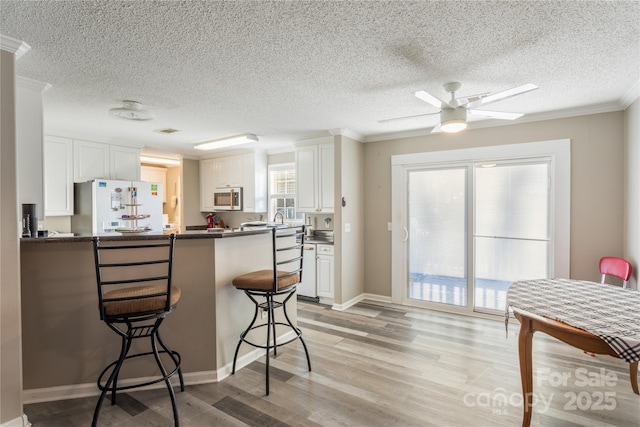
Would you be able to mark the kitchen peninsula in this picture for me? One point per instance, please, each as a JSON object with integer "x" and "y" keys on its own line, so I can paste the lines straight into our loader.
{"x": 66, "y": 345}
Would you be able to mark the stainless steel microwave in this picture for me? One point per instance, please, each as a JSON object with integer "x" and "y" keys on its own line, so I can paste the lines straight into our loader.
{"x": 227, "y": 199}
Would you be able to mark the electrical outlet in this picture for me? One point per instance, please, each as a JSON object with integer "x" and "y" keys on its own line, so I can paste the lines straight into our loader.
{"x": 263, "y": 313}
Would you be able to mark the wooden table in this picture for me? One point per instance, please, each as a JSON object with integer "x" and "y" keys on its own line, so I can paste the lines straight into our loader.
{"x": 530, "y": 322}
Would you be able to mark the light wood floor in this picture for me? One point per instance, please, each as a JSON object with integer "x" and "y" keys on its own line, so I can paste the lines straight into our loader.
{"x": 383, "y": 365}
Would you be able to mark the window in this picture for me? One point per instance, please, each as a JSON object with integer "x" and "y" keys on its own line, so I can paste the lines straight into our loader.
{"x": 282, "y": 192}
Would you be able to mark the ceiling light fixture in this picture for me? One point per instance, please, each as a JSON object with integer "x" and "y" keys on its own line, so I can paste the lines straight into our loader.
{"x": 131, "y": 110}
{"x": 159, "y": 161}
{"x": 453, "y": 119}
{"x": 227, "y": 142}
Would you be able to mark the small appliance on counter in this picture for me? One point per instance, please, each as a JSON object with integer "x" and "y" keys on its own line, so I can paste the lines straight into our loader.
{"x": 214, "y": 222}
{"x": 106, "y": 206}
{"x": 29, "y": 220}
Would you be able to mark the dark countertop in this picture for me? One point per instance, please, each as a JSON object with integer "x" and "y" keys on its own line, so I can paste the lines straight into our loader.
{"x": 310, "y": 240}
{"x": 190, "y": 234}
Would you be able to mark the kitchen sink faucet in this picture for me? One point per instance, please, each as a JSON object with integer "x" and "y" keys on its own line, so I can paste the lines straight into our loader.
{"x": 281, "y": 217}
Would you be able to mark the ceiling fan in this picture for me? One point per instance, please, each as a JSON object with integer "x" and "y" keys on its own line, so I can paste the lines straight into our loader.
{"x": 453, "y": 114}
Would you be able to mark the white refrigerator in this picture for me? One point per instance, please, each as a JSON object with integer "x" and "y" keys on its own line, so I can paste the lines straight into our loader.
{"x": 105, "y": 206}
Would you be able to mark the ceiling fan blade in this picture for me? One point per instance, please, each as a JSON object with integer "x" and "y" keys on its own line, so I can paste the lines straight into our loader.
{"x": 430, "y": 99}
{"x": 495, "y": 114}
{"x": 458, "y": 102}
{"x": 436, "y": 129}
{"x": 405, "y": 117}
{"x": 499, "y": 96}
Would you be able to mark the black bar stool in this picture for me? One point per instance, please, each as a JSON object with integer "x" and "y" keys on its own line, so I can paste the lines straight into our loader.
{"x": 287, "y": 244}
{"x": 134, "y": 297}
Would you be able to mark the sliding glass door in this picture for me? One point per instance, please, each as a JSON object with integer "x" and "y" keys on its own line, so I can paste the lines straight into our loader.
{"x": 473, "y": 229}
{"x": 511, "y": 228}
{"x": 437, "y": 235}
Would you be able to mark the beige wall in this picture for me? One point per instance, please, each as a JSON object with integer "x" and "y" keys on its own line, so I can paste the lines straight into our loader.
{"x": 597, "y": 196}
{"x": 10, "y": 328}
{"x": 632, "y": 188}
{"x": 349, "y": 256}
{"x": 172, "y": 182}
{"x": 191, "y": 193}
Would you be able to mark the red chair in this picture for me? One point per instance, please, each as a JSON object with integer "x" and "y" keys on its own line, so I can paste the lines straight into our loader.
{"x": 618, "y": 267}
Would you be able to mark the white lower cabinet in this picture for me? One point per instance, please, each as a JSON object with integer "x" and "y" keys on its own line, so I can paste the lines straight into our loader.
{"x": 307, "y": 287}
{"x": 325, "y": 271}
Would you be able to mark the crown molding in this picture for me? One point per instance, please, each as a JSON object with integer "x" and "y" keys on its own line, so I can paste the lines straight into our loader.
{"x": 538, "y": 117}
{"x": 32, "y": 84}
{"x": 15, "y": 46}
{"x": 632, "y": 94}
{"x": 348, "y": 133}
{"x": 321, "y": 140}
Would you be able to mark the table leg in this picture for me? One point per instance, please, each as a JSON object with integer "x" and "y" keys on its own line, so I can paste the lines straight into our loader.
{"x": 525, "y": 344}
{"x": 633, "y": 373}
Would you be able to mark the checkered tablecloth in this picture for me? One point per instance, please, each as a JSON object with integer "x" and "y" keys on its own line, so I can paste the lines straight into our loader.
{"x": 610, "y": 312}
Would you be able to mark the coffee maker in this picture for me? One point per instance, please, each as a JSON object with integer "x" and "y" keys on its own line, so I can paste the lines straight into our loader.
{"x": 29, "y": 220}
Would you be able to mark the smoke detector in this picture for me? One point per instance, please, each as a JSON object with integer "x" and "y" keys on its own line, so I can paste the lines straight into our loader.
{"x": 131, "y": 110}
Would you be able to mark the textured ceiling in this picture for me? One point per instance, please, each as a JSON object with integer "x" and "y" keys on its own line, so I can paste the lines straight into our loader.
{"x": 292, "y": 70}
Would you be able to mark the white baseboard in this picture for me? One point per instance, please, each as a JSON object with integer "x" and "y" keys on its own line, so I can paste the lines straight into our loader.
{"x": 17, "y": 422}
{"x": 379, "y": 298}
{"x": 346, "y": 305}
{"x": 354, "y": 301}
{"x": 74, "y": 391}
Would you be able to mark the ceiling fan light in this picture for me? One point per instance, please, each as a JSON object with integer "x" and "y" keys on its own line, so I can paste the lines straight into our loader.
{"x": 454, "y": 125}
{"x": 131, "y": 110}
{"x": 453, "y": 119}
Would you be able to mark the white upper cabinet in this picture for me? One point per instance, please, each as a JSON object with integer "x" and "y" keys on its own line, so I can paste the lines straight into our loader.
{"x": 254, "y": 183}
{"x": 95, "y": 160}
{"x": 207, "y": 184}
{"x": 91, "y": 161}
{"x": 229, "y": 171}
{"x": 58, "y": 176}
{"x": 29, "y": 146}
{"x": 306, "y": 179}
{"x": 124, "y": 163}
{"x": 326, "y": 178}
{"x": 248, "y": 171}
{"x": 315, "y": 179}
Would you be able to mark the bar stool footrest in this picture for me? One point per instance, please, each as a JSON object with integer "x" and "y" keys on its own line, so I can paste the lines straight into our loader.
{"x": 297, "y": 331}
{"x": 142, "y": 384}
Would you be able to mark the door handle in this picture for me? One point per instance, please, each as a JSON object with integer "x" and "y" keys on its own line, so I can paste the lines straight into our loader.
{"x": 406, "y": 234}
